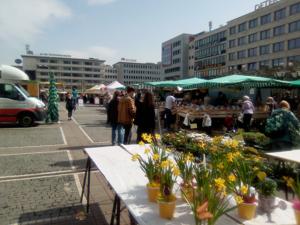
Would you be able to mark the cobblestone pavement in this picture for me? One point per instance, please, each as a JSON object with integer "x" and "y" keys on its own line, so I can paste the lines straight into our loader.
{"x": 35, "y": 136}
{"x": 42, "y": 169}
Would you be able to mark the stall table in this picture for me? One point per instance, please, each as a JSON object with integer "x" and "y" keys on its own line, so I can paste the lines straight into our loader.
{"x": 129, "y": 183}
{"x": 291, "y": 156}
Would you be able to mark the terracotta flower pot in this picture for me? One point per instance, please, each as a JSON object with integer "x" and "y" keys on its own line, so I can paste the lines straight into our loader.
{"x": 153, "y": 193}
{"x": 187, "y": 193}
{"x": 247, "y": 210}
{"x": 166, "y": 209}
{"x": 297, "y": 216}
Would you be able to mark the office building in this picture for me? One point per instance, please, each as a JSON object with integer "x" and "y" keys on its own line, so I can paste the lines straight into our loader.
{"x": 268, "y": 38}
{"x": 130, "y": 72}
{"x": 80, "y": 72}
{"x": 175, "y": 53}
{"x": 110, "y": 74}
{"x": 210, "y": 53}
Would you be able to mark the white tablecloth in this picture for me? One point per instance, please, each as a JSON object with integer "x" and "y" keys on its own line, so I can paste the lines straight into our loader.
{"x": 129, "y": 182}
{"x": 292, "y": 156}
{"x": 279, "y": 216}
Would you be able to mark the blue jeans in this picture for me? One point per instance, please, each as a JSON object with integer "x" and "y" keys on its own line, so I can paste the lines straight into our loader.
{"x": 117, "y": 129}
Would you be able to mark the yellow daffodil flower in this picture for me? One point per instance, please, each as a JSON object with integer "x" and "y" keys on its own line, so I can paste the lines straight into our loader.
{"x": 141, "y": 143}
{"x": 155, "y": 157}
{"x": 157, "y": 136}
{"x": 147, "y": 151}
{"x": 164, "y": 164}
{"x": 231, "y": 178}
{"x": 176, "y": 171}
{"x": 230, "y": 157}
{"x": 238, "y": 199}
{"x": 135, "y": 157}
{"x": 220, "y": 184}
{"x": 220, "y": 166}
{"x": 261, "y": 175}
{"x": 244, "y": 190}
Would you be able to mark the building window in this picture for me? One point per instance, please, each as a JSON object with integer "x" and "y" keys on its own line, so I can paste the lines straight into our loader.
{"x": 241, "y": 54}
{"x": 252, "y": 38}
{"x": 252, "y": 52}
{"x": 232, "y": 43}
{"x": 294, "y": 43}
{"x": 295, "y": 60}
{"x": 75, "y": 62}
{"x": 242, "y": 41}
{"x": 277, "y": 62}
{"x": 264, "y": 49}
{"x": 67, "y": 62}
{"x": 232, "y": 30}
{"x": 295, "y": 8}
{"x": 266, "y": 19}
{"x": 278, "y": 47}
{"x": 279, "y": 14}
{"x": 231, "y": 56}
{"x": 242, "y": 27}
{"x": 43, "y": 60}
{"x": 264, "y": 64}
{"x": 53, "y": 61}
{"x": 280, "y": 30}
{"x": 294, "y": 26}
{"x": 266, "y": 34}
{"x": 252, "y": 66}
{"x": 253, "y": 23}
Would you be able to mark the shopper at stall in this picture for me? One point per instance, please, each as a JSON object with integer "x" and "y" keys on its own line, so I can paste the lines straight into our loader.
{"x": 247, "y": 110}
{"x": 271, "y": 105}
{"x": 221, "y": 99}
{"x": 145, "y": 117}
{"x": 169, "y": 106}
{"x": 112, "y": 115}
{"x": 69, "y": 105}
{"x": 283, "y": 128}
{"x": 126, "y": 113}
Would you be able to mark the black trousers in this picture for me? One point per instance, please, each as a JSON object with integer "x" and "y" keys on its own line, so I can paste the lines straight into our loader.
{"x": 70, "y": 113}
{"x": 127, "y": 135}
{"x": 246, "y": 121}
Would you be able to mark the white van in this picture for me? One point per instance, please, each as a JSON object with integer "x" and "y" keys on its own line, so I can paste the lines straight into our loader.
{"x": 16, "y": 105}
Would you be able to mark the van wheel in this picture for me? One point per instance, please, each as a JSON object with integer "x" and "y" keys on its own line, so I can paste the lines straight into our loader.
{"x": 26, "y": 120}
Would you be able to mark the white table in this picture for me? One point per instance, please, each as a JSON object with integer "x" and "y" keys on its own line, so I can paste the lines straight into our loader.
{"x": 129, "y": 184}
{"x": 292, "y": 156}
{"x": 280, "y": 217}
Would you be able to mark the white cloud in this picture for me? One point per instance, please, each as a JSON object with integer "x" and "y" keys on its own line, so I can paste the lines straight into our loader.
{"x": 101, "y": 52}
{"x": 100, "y": 2}
{"x": 23, "y": 21}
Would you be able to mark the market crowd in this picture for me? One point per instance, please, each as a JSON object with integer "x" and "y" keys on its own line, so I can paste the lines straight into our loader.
{"x": 127, "y": 109}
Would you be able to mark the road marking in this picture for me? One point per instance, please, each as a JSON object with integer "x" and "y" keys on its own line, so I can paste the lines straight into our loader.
{"x": 47, "y": 176}
{"x": 63, "y": 135}
{"x": 36, "y": 146}
{"x": 33, "y": 153}
{"x": 82, "y": 130}
{"x": 35, "y": 174}
{"x": 71, "y": 160}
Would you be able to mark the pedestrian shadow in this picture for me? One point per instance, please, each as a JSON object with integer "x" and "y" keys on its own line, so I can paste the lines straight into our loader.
{"x": 65, "y": 215}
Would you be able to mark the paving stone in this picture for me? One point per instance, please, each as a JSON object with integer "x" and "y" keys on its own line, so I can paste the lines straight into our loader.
{"x": 31, "y": 136}
{"x": 41, "y": 204}
{"x": 34, "y": 163}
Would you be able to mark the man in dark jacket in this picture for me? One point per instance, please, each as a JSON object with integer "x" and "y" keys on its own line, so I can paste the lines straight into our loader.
{"x": 112, "y": 114}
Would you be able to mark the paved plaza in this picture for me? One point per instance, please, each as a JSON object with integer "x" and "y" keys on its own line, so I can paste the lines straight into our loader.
{"x": 42, "y": 170}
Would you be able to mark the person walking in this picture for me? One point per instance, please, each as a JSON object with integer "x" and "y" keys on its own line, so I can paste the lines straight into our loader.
{"x": 145, "y": 117}
{"x": 283, "y": 128}
{"x": 126, "y": 113}
{"x": 112, "y": 118}
{"x": 271, "y": 105}
{"x": 69, "y": 105}
{"x": 169, "y": 106}
{"x": 247, "y": 110}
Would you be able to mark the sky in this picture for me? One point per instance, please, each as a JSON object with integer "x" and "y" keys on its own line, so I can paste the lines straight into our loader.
{"x": 107, "y": 29}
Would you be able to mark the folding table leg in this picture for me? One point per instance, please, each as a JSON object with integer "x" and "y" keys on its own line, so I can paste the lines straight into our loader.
{"x": 116, "y": 212}
{"x": 87, "y": 175}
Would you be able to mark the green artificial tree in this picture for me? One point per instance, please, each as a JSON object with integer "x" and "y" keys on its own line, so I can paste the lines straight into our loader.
{"x": 52, "y": 112}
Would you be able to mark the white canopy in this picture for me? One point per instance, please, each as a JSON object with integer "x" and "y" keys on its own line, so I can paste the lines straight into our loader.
{"x": 115, "y": 85}
{"x": 97, "y": 89}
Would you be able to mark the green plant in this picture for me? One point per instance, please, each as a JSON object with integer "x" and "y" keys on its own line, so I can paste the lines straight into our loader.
{"x": 267, "y": 187}
{"x": 185, "y": 164}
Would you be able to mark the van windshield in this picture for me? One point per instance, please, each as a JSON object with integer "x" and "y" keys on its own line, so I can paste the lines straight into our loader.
{"x": 23, "y": 90}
